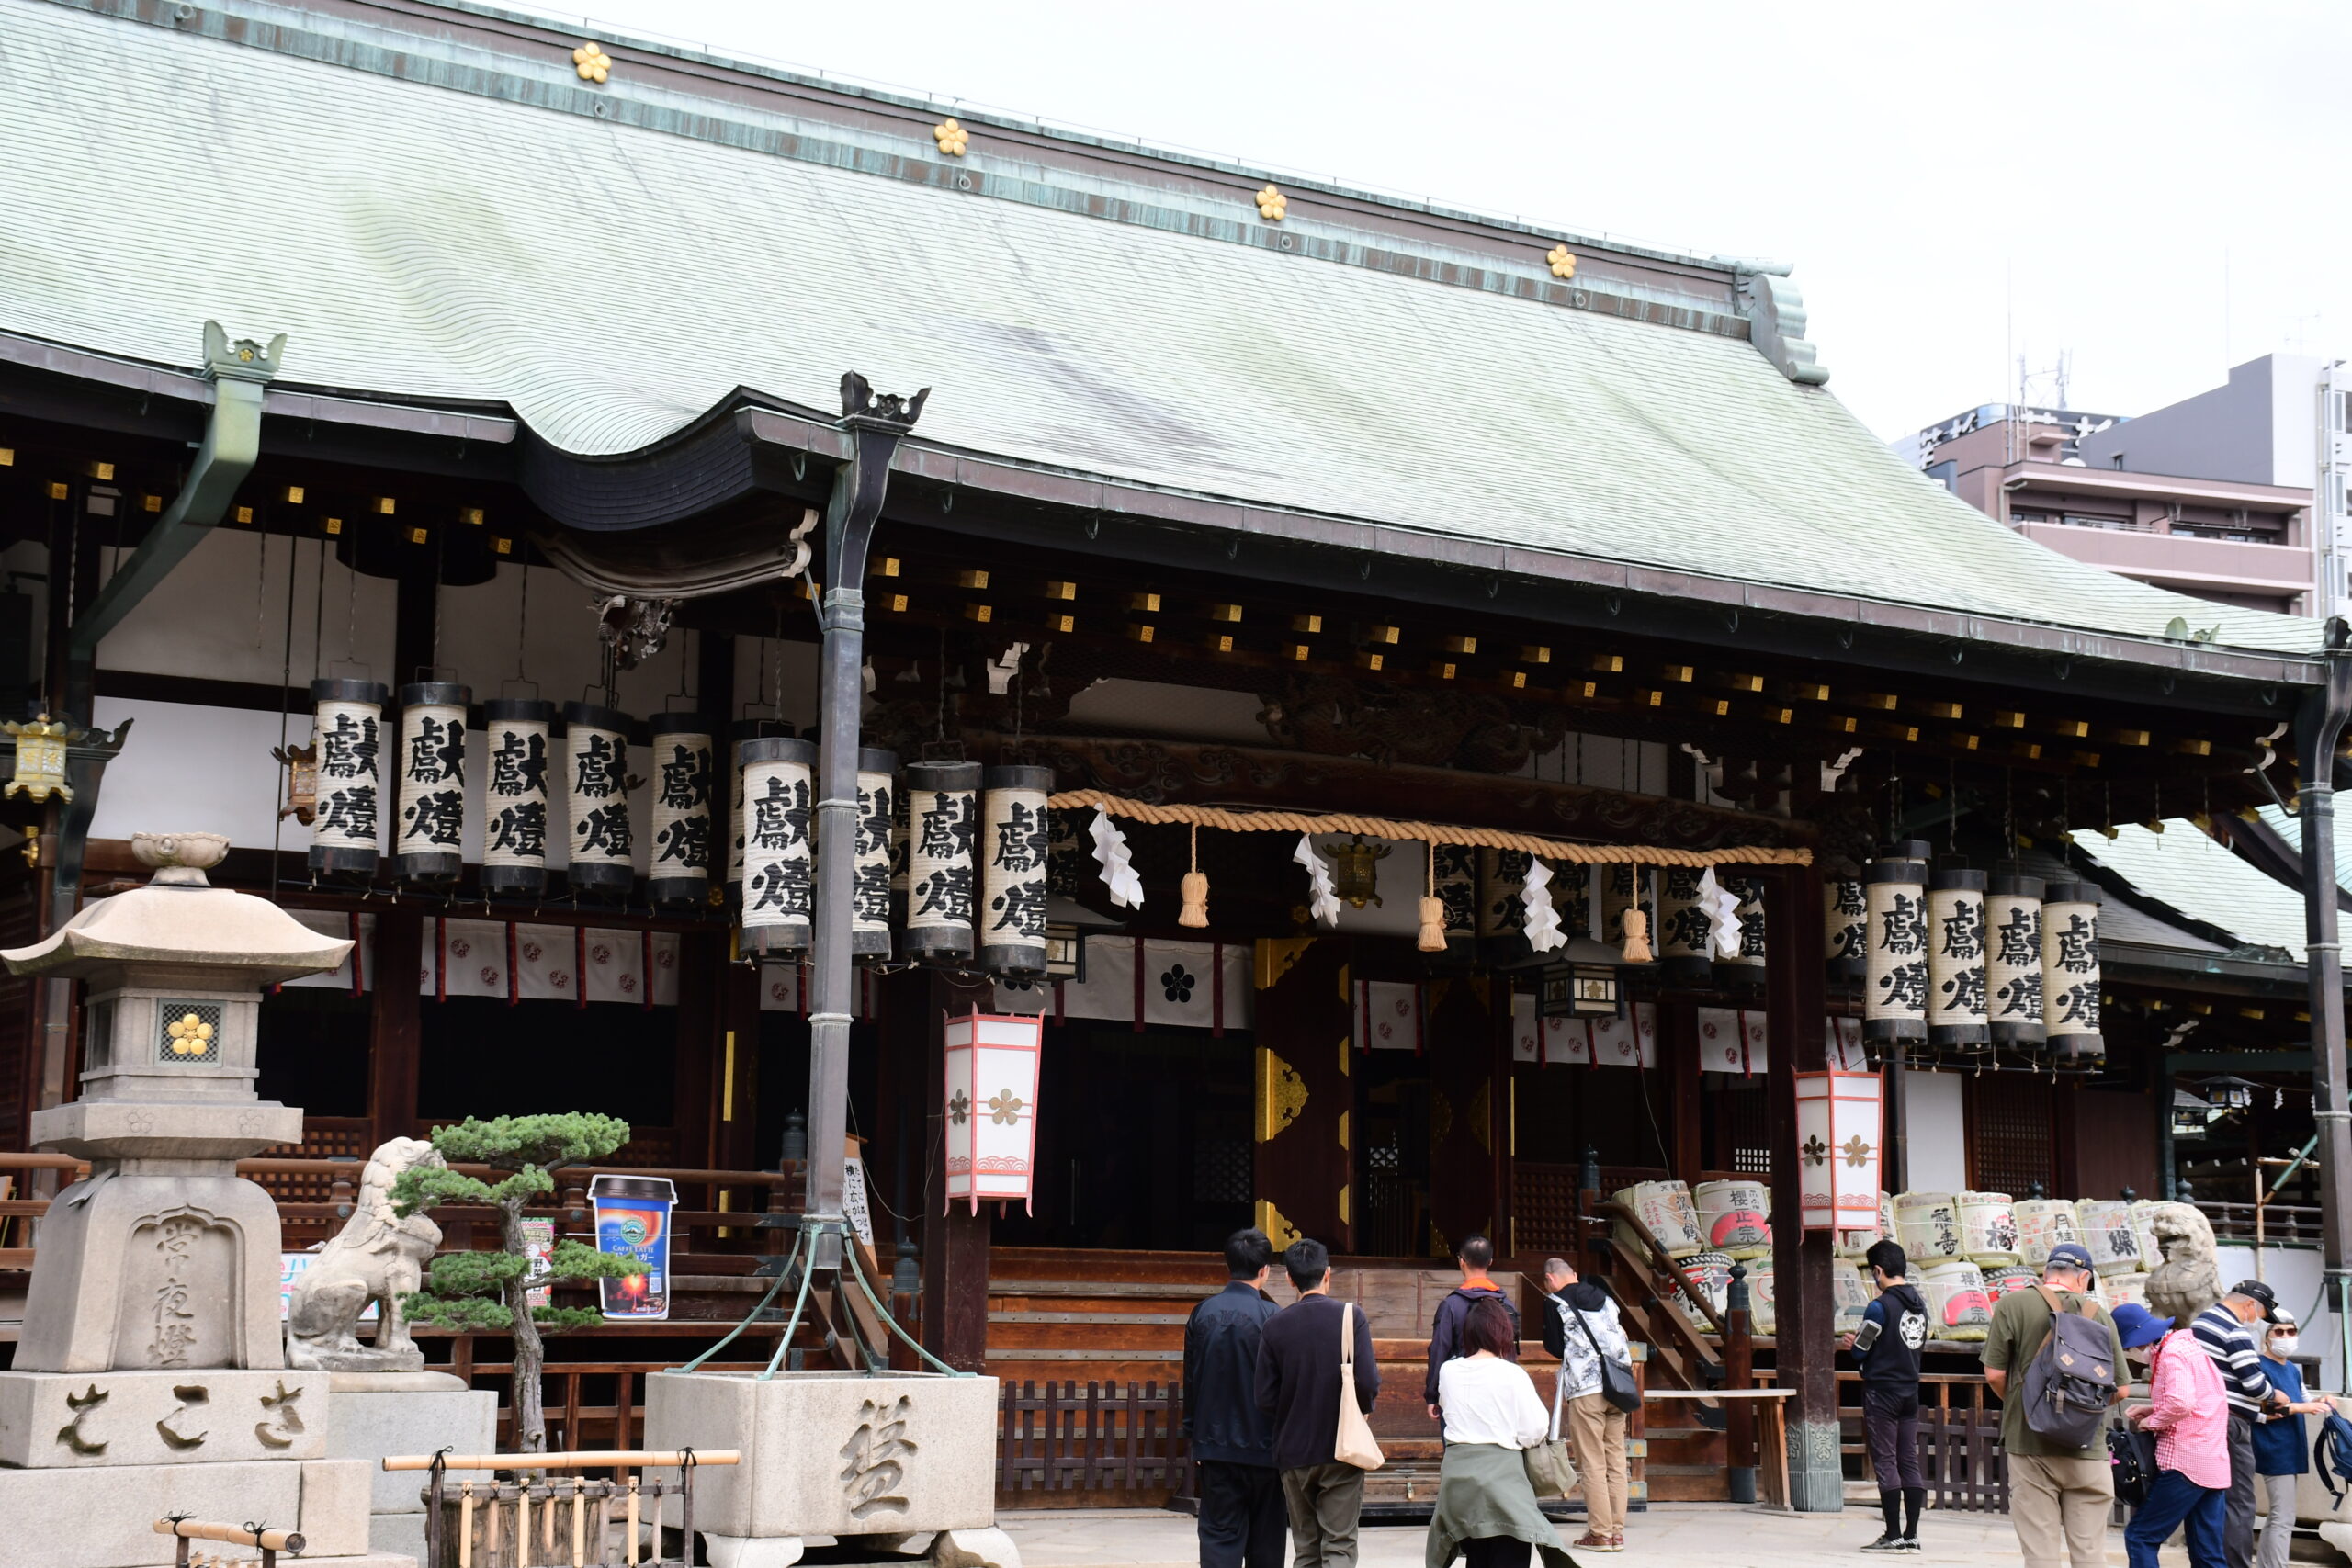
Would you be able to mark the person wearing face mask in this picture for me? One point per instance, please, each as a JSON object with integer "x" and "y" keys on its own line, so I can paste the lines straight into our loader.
{"x": 2281, "y": 1450}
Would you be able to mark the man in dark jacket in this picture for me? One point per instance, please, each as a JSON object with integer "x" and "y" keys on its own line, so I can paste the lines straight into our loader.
{"x": 1298, "y": 1384}
{"x": 1475, "y": 1256}
{"x": 1241, "y": 1497}
{"x": 1894, "y": 1325}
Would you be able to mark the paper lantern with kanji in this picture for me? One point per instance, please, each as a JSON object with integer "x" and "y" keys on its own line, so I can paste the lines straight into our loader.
{"x": 1956, "y": 960}
{"x": 2013, "y": 962}
{"x": 779, "y": 867}
{"x": 943, "y": 878}
{"x": 991, "y": 1107}
{"x": 1838, "y": 1129}
{"x": 428, "y": 837}
{"x": 685, "y": 775}
{"x": 595, "y": 780}
{"x": 347, "y": 731}
{"x": 1013, "y": 869}
{"x": 1894, "y": 997}
{"x": 877, "y": 802}
{"x": 741, "y": 730}
{"x": 1846, "y": 926}
{"x": 515, "y": 733}
{"x": 2070, "y": 974}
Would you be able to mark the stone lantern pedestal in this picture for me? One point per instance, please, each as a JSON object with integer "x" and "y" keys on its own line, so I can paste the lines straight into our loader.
{"x": 150, "y": 1377}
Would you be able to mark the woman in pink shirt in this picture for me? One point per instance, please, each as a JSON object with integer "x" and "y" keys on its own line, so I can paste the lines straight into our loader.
{"x": 2191, "y": 1417}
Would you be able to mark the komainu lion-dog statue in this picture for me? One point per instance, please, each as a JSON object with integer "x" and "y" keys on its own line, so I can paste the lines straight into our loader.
{"x": 378, "y": 1258}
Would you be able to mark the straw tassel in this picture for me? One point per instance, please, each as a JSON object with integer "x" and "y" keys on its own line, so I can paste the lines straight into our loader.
{"x": 1195, "y": 888}
{"x": 1637, "y": 926}
{"x": 1432, "y": 936}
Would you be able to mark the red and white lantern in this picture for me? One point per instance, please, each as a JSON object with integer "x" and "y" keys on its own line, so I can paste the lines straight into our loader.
{"x": 1838, "y": 1132}
{"x": 991, "y": 1105}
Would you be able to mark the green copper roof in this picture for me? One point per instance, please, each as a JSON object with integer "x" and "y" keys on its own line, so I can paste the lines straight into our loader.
{"x": 471, "y": 228}
{"x": 2184, "y": 869}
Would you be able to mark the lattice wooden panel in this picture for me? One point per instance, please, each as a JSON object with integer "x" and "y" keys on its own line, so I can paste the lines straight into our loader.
{"x": 2010, "y": 1142}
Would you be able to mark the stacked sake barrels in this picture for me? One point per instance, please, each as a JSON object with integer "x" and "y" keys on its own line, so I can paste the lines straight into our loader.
{"x": 1667, "y": 1212}
{"x": 2123, "y": 1249}
{"x": 1930, "y": 1227}
{"x": 1850, "y": 1281}
{"x": 1735, "y": 1218}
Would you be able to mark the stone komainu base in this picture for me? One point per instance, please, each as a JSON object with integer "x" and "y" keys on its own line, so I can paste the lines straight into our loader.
{"x": 374, "y": 1413}
{"x": 105, "y": 1518}
{"x": 874, "y": 1458}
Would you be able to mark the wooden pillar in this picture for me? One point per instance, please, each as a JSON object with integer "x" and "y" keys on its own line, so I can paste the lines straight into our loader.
{"x": 1678, "y": 1055}
{"x": 702, "y": 966}
{"x": 1304, "y": 1092}
{"x": 393, "y": 1023}
{"x": 1458, "y": 1040}
{"x": 1804, "y": 1305}
{"x": 736, "y": 1145}
{"x": 955, "y": 1240}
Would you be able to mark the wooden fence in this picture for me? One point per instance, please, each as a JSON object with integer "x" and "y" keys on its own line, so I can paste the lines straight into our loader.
{"x": 1959, "y": 1439}
{"x": 1071, "y": 1437}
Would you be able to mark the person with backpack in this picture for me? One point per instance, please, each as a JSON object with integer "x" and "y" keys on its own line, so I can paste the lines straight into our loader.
{"x": 2052, "y": 1357}
{"x": 2222, "y": 1331}
{"x": 1894, "y": 1327}
{"x": 1583, "y": 1331}
{"x": 1474, "y": 1255}
{"x": 2279, "y": 1456}
{"x": 2190, "y": 1490}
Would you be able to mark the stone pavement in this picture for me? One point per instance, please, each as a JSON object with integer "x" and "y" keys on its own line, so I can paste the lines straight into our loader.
{"x": 1669, "y": 1536}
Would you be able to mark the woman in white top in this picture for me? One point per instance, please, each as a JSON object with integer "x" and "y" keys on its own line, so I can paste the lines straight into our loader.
{"x": 1486, "y": 1510}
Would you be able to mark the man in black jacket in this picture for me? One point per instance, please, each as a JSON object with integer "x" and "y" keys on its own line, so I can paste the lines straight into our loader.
{"x": 1241, "y": 1497}
{"x": 1894, "y": 1325}
{"x": 1475, "y": 1256}
{"x": 1298, "y": 1384}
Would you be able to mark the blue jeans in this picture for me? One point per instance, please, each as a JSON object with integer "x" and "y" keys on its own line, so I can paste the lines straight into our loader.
{"x": 2175, "y": 1500}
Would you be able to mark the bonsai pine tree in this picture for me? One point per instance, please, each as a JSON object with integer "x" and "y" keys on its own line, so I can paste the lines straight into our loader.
{"x": 488, "y": 1290}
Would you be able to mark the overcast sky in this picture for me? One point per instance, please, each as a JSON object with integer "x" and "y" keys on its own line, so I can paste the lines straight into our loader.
{"x": 2157, "y": 190}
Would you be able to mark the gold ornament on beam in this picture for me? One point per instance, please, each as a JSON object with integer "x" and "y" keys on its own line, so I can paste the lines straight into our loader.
{"x": 1563, "y": 260}
{"x": 1272, "y": 205}
{"x": 952, "y": 138}
{"x": 592, "y": 62}
{"x": 40, "y": 757}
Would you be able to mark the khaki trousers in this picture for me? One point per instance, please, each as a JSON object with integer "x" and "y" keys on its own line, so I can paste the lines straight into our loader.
{"x": 1325, "y": 1502}
{"x": 1597, "y": 1431}
{"x": 2060, "y": 1508}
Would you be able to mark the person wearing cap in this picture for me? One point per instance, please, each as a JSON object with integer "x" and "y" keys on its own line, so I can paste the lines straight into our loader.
{"x": 2280, "y": 1452}
{"x": 2191, "y": 1488}
{"x": 2222, "y": 1333}
{"x": 2058, "y": 1496}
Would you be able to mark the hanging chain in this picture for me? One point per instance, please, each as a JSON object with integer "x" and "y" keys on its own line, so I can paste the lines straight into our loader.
{"x": 261, "y": 590}
{"x": 523, "y": 624}
{"x": 1951, "y": 822}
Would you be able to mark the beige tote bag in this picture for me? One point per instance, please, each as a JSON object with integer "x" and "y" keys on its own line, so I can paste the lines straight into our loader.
{"x": 1355, "y": 1445}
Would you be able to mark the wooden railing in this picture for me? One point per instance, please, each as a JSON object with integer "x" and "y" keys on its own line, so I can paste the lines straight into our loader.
{"x": 2281, "y": 1225}
{"x": 1070, "y": 1437}
{"x": 1959, "y": 1439}
{"x": 1646, "y": 1280}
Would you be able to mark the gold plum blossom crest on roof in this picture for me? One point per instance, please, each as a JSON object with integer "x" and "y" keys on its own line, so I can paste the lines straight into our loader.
{"x": 1271, "y": 203}
{"x": 952, "y": 138}
{"x": 1563, "y": 260}
{"x": 592, "y": 63}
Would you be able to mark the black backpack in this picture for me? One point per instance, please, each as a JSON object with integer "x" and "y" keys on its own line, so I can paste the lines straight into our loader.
{"x": 2071, "y": 1380}
{"x": 2131, "y": 1458}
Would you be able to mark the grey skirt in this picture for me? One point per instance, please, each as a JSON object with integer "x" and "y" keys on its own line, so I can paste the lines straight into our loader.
{"x": 1483, "y": 1491}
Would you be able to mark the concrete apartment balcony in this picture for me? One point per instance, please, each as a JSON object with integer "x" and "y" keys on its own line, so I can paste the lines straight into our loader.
{"x": 2181, "y": 562}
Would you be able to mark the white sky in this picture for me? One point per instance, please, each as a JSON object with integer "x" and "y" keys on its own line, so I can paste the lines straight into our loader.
{"x": 2094, "y": 167}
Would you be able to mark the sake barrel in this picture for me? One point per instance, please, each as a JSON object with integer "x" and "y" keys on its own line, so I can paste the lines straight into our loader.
{"x": 1734, "y": 1217}
{"x": 1850, "y": 1291}
{"x": 1927, "y": 1224}
{"x": 2106, "y": 1232}
{"x": 1665, "y": 1207}
{"x": 2042, "y": 1223}
{"x": 1989, "y": 1229}
{"x": 2121, "y": 1288}
{"x": 2144, "y": 1232}
{"x": 1707, "y": 1274}
{"x": 2000, "y": 1282}
{"x": 1854, "y": 1244}
{"x": 1957, "y": 1307}
{"x": 1761, "y": 1317}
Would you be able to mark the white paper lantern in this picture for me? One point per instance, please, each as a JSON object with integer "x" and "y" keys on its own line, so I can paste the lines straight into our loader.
{"x": 346, "y": 831}
{"x": 429, "y": 835}
{"x": 1895, "y": 995}
{"x": 779, "y": 861}
{"x": 991, "y": 1102}
{"x": 685, "y": 790}
{"x": 943, "y": 876}
{"x": 1845, "y": 927}
{"x": 2013, "y": 962}
{"x": 1456, "y": 888}
{"x": 515, "y": 795}
{"x": 1502, "y": 910}
{"x": 1013, "y": 869}
{"x": 877, "y": 817}
{"x": 1683, "y": 938}
{"x": 1838, "y": 1131}
{"x": 595, "y": 773}
{"x": 1956, "y": 961}
{"x": 2070, "y": 973}
{"x": 741, "y": 730}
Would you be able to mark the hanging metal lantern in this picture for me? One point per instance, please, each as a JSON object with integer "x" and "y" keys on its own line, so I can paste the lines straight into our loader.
{"x": 779, "y": 863}
{"x": 943, "y": 816}
{"x": 595, "y": 771}
{"x": 428, "y": 839}
{"x": 1685, "y": 938}
{"x": 1744, "y": 967}
{"x": 877, "y": 816}
{"x": 40, "y": 759}
{"x": 2013, "y": 962}
{"x": 346, "y": 829}
{"x": 1894, "y": 994}
{"x": 1455, "y": 886}
{"x": 1845, "y": 927}
{"x": 515, "y": 795}
{"x": 1355, "y": 870}
{"x": 1013, "y": 872}
{"x": 2070, "y": 974}
{"x": 1502, "y": 909}
{"x": 740, "y": 731}
{"x": 1956, "y": 961}
{"x": 684, "y": 780}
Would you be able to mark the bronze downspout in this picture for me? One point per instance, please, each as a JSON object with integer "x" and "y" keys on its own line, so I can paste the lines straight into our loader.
{"x": 2319, "y": 727}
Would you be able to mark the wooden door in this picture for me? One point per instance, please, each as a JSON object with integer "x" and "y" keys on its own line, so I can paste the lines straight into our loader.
{"x": 1465, "y": 1114}
{"x": 1302, "y": 1092}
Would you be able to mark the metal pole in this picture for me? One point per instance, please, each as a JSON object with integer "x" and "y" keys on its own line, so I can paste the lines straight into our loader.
{"x": 875, "y": 427}
{"x": 2319, "y": 726}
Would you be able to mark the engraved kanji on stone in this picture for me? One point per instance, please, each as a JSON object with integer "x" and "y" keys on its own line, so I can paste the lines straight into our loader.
{"x": 281, "y": 1420}
{"x": 76, "y": 1440}
{"x": 189, "y": 1395}
{"x": 875, "y": 1455}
